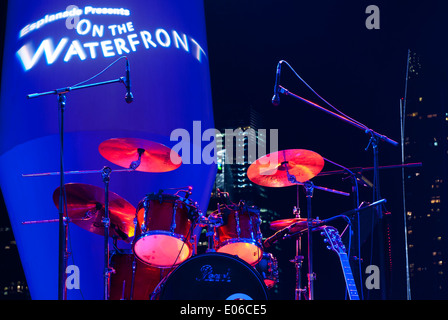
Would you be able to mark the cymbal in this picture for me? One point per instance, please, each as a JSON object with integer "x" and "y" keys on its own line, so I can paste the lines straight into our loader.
{"x": 153, "y": 156}
{"x": 299, "y": 224}
{"x": 85, "y": 208}
{"x": 271, "y": 170}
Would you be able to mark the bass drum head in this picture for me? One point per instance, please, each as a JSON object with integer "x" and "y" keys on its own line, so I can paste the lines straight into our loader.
{"x": 213, "y": 276}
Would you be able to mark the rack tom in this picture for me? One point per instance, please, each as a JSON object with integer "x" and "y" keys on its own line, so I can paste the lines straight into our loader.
{"x": 240, "y": 233}
{"x": 163, "y": 231}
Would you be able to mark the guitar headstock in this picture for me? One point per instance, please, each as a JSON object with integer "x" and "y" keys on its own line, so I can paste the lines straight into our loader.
{"x": 333, "y": 239}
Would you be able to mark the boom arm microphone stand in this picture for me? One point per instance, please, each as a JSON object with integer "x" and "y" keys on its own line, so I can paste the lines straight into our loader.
{"x": 63, "y": 222}
{"x": 375, "y": 138}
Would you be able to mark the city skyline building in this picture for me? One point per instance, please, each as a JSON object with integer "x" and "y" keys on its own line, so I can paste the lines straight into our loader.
{"x": 13, "y": 283}
{"x": 426, "y": 188}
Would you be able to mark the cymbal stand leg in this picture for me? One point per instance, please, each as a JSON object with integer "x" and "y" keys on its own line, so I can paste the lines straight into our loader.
{"x": 134, "y": 266}
{"x": 309, "y": 187}
{"x": 298, "y": 262}
{"x": 106, "y": 222}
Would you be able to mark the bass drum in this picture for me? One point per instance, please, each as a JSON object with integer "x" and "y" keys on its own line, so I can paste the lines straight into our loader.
{"x": 212, "y": 276}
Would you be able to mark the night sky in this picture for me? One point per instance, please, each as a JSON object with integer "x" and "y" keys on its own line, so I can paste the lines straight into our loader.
{"x": 359, "y": 71}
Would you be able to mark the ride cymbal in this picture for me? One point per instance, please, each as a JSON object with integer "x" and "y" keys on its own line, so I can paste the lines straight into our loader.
{"x": 272, "y": 169}
{"x": 140, "y": 154}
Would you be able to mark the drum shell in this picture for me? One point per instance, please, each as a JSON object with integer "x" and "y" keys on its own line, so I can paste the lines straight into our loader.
{"x": 146, "y": 278}
{"x": 160, "y": 213}
{"x": 268, "y": 269}
{"x": 240, "y": 224}
{"x": 163, "y": 231}
{"x": 240, "y": 234}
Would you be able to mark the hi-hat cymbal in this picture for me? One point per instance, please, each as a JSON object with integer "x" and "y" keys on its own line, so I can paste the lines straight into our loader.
{"x": 153, "y": 156}
{"x": 272, "y": 169}
{"x": 297, "y": 224}
{"x": 85, "y": 208}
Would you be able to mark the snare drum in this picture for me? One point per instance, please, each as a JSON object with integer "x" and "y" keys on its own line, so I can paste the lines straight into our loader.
{"x": 240, "y": 234}
{"x": 163, "y": 231}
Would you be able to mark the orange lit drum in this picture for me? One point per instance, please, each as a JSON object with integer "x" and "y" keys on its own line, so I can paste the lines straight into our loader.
{"x": 240, "y": 233}
{"x": 132, "y": 280}
{"x": 268, "y": 269}
{"x": 163, "y": 231}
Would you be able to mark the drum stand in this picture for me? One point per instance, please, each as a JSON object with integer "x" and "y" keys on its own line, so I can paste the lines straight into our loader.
{"x": 298, "y": 260}
{"x": 106, "y": 222}
{"x": 309, "y": 189}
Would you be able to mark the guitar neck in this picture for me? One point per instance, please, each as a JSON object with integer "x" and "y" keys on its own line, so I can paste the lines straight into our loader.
{"x": 348, "y": 275}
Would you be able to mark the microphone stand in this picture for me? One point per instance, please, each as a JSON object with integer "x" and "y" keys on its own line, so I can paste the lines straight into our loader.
{"x": 375, "y": 138}
{"x": 63, "y": 222}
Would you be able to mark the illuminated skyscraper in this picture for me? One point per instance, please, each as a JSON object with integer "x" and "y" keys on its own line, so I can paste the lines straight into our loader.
{"x": 12, "y": 279}
{"x": 426, "y": 141}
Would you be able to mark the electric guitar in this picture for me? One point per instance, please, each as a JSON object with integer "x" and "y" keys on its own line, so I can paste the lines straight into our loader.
{"x": 335, "y": 244}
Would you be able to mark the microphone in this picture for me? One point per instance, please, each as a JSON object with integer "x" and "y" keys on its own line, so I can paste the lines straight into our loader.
{"x": 128, "y": 97}
{"x": 276, "y": 97}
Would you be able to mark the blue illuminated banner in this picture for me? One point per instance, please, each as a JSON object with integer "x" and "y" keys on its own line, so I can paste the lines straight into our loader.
{"x": 113, "y": 39}
{"x": 57, "y": 44}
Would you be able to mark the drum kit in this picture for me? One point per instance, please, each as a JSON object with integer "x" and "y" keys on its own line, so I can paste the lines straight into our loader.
{"x": 163, "y": 262}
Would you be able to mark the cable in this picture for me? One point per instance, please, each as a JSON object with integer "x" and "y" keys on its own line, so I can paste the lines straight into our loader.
{"x": 98, "y": 74}
{"x": 329, "y": 104}
{"x": 182, "y": 247}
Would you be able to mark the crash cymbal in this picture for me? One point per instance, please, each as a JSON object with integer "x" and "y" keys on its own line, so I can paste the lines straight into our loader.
{"x": 298, "y": 224}
{"x": 271, "y": 170}
{"x": 85, "y": 208}
{"x": 153, "y": 156}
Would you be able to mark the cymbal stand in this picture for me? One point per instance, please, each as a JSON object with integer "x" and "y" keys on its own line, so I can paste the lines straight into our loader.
{"x": 106, "y": 222}
{"x": 309, "y": 188}
{"x": 298, "y": 260}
